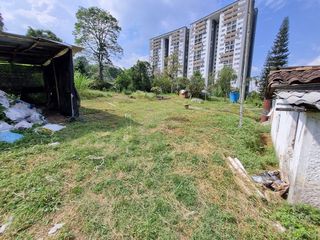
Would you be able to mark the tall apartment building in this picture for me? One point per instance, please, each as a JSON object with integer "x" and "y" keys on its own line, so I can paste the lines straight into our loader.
{"x": 217, "y": 40}
{"x": 170, "y": 44}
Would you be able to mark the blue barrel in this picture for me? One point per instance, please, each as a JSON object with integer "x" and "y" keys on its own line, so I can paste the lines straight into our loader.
{"x": 234, "y": 97}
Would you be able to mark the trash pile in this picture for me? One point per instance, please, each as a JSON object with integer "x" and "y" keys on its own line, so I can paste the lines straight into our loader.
{"x": 19, "y": 115}
{"x": 272, "y": 180}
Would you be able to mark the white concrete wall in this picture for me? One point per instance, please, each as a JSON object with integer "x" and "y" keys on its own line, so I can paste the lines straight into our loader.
{"x": 284, "y": 126}
{"x": 296, "y": 137}
{"x": 305, "y": 166}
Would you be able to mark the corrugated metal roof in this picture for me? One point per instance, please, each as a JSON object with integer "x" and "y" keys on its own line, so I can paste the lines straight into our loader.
{"x": 300, "y": 98}
{"x": 28, "y": 50}
{"x": 295, "y": 78}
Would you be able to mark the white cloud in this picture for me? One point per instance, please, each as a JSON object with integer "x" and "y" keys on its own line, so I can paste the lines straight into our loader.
{"x": 129, "y": 60}
{"x": 273, "y": 4}
{"x": 315, "y": 61}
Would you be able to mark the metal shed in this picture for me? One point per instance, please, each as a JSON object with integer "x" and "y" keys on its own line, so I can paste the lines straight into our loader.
{"x": 39, "y": 66}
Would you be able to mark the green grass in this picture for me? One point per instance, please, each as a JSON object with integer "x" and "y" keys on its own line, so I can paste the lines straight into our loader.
{"x": 139, "y": 168}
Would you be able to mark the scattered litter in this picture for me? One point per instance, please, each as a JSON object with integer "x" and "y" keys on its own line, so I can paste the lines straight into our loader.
{"x": 19, "y": 111}
{"x": 36, "y": 118}
{"x": 6, "y": 225}
{"x": 242, "y": 178}
{"x": 10, "y": 137}
{"x": 4, "y": 101}
{"x": 272, "y": 180}
{"x": 5, "y": 126}
{"x": 54, "y": 144}
{"x": 55, "y": 228}
{"x": 53, "y": 127}
{"x": 23, "y": 125}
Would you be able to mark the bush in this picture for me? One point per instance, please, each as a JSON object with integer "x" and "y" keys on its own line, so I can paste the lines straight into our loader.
{"x": 254, "y": 99}
{"x": 163, "y": 82}
{"x": 223, "y": 86}
{"x": 156, "y": 90}
{"x": 82, "y": 82}
{"x": 196, "y": 85}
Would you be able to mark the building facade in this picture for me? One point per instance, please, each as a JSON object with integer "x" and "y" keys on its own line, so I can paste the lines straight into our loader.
{"x": 170, "y": 45}
{"x": 217, "y": 40}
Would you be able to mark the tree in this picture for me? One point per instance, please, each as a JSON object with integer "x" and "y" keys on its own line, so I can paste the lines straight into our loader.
{"x": 173, "y": 68}
{"x": 81, "y": 64}
{"x": 225, "y": 77}
{"x": 141, "y": 76}
{"x": 162, "y": 81}
{"x": 138, "y": 77}
{"x": 112, "y": 72}
{"x": 43, "y": 34}
{"x": 1, "y": 23}
{"x": 277, "y": 57}
{"x": 280, "y": 49}
{"x": 263, "y": 83}
{"x": 98, "y": 31}
{"x": 196, "y": 84}
{"x": 123, "y": 80}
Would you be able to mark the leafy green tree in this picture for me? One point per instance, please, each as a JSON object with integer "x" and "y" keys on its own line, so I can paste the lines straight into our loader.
{"x": 98, "y": 31}
{"x": 1, "y": 23}
{"x": 31, "y": 32}
{"x": 196, "y": 84}
{"x": 81, "y": 64}
{"x": 173, "y": 68}
{"x": 225, "y": 78}
{"x": 141, "y": 74}
{"x": 162, "y": 81}
{"x": 112, "y": 72}
{"x": 277, "y": 57}
{"x": 123, "y": 80}
{"x": 181, "y": 83}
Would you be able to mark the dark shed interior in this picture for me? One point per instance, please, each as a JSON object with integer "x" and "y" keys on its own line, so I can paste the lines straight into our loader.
{"x": 40, "y": 71}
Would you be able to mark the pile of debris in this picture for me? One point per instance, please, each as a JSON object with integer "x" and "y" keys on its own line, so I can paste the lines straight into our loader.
{"x": 19, "y": 115}
{"x": 272, "y": 180}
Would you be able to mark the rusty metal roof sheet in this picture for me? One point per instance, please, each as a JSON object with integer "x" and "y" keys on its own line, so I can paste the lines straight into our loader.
{"x": 294, "y": 78}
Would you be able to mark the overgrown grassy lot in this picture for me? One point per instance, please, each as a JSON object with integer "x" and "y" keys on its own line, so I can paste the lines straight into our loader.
{"x": 140, "y": 168}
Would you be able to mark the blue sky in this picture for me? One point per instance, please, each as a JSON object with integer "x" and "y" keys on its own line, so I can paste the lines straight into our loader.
{"x": 143, "y": 19}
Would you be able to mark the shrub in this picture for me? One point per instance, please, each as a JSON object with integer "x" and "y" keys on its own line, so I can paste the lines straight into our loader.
{"x": 156, "y": 90}
{"x": 254, "y": 99}
{"x": 223, "y": 86}
{"x": 163, "y": 82}
{"x": 196, "y": 84}
{"x": 82, "y": 82}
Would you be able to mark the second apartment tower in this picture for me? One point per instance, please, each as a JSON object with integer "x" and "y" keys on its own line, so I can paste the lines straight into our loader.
{"x": 217, "y": 40}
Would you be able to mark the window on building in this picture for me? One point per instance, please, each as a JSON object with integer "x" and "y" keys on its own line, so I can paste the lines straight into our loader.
{"x": 229, "y": 46}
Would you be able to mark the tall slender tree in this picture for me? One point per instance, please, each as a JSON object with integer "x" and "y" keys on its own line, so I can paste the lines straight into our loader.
{"x": 98, "y": 31}
{"x": 1, "y": 23}
{"x": 264, "y": 76}
{"x": 277, "y": 57}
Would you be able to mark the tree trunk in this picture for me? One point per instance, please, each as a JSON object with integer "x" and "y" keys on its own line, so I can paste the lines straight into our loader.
{"x": 100, "y": 71}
